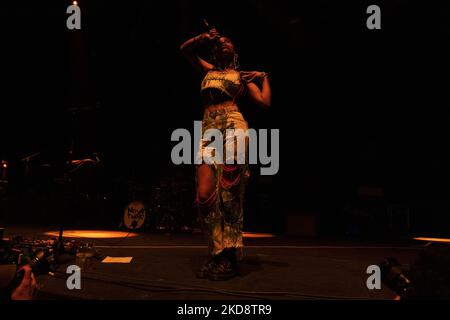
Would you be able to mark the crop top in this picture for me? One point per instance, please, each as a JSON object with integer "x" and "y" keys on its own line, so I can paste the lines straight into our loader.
{"x": 219, "y": 86}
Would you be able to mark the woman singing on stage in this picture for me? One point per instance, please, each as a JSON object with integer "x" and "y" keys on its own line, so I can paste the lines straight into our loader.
{"x": 221, "y": 186}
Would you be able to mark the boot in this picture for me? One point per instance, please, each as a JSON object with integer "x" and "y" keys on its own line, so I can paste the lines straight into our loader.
{"x": 205, "y": 268}
{"x": 225, "y": 266}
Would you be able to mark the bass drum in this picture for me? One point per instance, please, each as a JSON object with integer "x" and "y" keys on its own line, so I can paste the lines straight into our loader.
{"x": 134, "y": 215}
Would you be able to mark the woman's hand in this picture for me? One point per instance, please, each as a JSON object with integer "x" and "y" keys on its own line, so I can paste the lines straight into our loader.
{"x": 259, "y": 93}
{"x": 252, "y": 76}
{"x": 209, "y": 37}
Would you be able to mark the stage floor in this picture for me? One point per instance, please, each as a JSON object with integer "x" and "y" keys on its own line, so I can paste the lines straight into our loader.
{"x": 163, "y": 267}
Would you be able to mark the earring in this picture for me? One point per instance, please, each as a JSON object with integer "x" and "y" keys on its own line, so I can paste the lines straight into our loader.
{"x": 236, "y": 62}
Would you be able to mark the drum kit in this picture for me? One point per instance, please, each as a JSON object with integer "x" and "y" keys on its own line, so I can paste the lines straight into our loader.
{"x": 86, "y": 194}
{"x": 166, "y": 207}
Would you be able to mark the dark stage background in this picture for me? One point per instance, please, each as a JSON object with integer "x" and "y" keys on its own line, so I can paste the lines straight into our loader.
{"x": 355, "y": 107}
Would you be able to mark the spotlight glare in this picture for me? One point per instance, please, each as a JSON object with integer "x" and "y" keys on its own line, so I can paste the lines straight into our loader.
{"x": 93, "y": 234}
{"x": 257, "y": 235}
{"x": 432, "y": 239}
{"x": 75, "y": 3}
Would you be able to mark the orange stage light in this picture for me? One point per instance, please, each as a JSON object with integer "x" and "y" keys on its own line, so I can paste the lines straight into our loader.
{"x": 444, "y": 240}
{"x": 75, "y": 3}
{"x": 258, "y": 235}
{"x": 93, "y": 234}
{"x": 99, "y": 234}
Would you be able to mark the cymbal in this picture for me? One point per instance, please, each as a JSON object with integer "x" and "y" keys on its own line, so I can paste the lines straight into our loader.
{"x": 28, "y": 158}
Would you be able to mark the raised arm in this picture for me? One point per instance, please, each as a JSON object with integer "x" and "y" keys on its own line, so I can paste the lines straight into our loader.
{"x": 190, "y": 50}
{"x": 262, "y": 95}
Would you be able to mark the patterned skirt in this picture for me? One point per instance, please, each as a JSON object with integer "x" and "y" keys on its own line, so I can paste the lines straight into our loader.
{"x": 222, "y": 214}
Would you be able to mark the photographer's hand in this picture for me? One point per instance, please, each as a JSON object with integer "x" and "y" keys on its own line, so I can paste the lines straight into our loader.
{"x": 27, "y": 288}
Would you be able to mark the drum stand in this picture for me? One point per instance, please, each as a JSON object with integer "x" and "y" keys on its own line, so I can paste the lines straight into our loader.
{"x": 72, "y": 166}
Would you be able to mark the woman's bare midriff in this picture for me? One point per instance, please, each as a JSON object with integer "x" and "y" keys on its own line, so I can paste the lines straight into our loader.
{"x": 229, "y": 106}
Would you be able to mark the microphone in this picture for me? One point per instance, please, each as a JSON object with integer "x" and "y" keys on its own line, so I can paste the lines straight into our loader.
{"x": 206, "y": 24}
{"x": 208, "y": 28}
